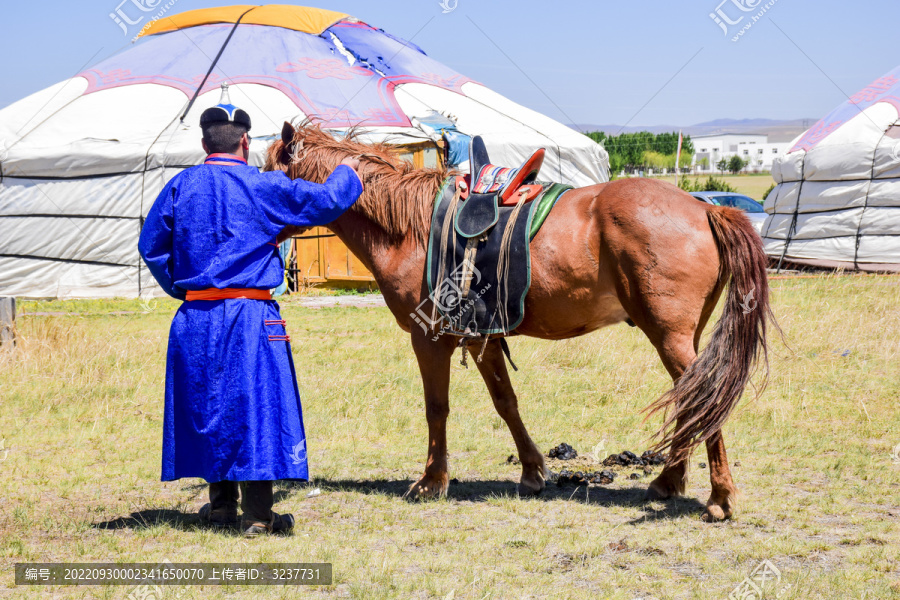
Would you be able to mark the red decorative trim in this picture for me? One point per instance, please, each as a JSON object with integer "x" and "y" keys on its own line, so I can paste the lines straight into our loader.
{"x": 225, "y": 158}
{"x": 228, "y": 293}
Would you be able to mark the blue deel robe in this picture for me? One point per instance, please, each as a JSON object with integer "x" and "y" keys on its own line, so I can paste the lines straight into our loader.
{"x": 232, "y": 408}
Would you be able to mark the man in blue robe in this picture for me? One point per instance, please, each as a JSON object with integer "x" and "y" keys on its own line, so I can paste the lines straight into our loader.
{"x": 232, "y": 409}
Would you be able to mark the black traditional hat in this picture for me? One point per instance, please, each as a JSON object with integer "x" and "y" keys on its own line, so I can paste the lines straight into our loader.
{"x": 225, "y": 112}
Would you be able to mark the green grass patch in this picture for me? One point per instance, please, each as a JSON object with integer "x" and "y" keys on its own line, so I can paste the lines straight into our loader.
{"x": 82, "y": 424}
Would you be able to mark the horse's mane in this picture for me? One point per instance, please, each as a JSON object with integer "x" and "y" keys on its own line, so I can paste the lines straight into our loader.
{"x": 397, "y": 196}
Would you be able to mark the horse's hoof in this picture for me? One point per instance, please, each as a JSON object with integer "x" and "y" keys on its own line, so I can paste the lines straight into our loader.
{"x": 527, "y": 488}
{"x": 427, "y": 488}
{"x": 655, "y": 493}
{"x": 665, "y": 486}
{"x": 714, "y": 513}
{"x": 718, "y": 508}
{"x": 533, "y": 485}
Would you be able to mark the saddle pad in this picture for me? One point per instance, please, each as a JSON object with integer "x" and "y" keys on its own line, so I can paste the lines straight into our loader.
{"x": 469, "y": 296}
{"x": 544, "y": 204}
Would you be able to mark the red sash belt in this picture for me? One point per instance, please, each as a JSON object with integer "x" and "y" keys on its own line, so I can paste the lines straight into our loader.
{"x": 227, "y": 293}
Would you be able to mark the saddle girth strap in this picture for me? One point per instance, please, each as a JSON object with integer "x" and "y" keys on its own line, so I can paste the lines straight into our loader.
{"x": 503, "y": 262}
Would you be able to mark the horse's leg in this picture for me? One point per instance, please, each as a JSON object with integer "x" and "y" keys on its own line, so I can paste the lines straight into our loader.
{"x": 434, "y": 365}
{"x": 493, "y": 369}
{"x": 722, "y": 499}
{"x": 677, "y": 353}
{"x": 671, "y": 482}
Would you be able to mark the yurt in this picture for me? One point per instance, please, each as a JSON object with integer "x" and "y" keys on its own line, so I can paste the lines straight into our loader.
{"x": 837, "y": 199}
{"x": 82, "y": 161}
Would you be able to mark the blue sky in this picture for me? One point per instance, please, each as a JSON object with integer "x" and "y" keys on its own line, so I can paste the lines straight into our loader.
{"x": 643, "y": 63}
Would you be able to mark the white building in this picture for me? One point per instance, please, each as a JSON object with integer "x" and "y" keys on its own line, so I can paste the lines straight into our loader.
{"x": 754, "y": 148}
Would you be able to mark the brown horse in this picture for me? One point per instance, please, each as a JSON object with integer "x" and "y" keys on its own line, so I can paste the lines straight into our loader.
{"x": 633, "y": 250}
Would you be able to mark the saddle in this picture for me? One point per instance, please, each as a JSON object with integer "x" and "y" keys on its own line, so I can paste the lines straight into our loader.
{"x": 479, "y": 264}
{"x": 492, "y": 187}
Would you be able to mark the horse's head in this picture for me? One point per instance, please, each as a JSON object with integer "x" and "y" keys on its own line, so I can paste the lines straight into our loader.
{"x": 397, "y": 196}
{"x": 279, "y": 155}
{"x": 308, "y": 152}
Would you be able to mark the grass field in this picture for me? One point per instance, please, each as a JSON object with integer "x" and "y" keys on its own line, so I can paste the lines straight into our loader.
{"x": 751, "y": 185}
{"x": 820, "y": 492}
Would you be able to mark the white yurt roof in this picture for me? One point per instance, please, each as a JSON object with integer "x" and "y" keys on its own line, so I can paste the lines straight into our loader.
{"x": 82, "y": 161}
{"x": 837, "y": 199}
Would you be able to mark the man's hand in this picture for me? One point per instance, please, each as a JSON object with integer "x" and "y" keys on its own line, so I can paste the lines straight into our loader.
{"x": 351, "y": 162}
{"x": 289, "y": 232}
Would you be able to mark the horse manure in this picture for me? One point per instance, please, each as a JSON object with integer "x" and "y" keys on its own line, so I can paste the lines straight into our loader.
{"x": 567, "y": 477}
{"x": 577, "y": 478}
{"x": 643, "y": 465}
{"x": 512, "y": 460}
{"x": 654, "y": 458}
{"x": 603, "y": 477}
{"x": 614, "y": 460}
{"x": 563, "y": 452}
{"x": 737, "y": 463}
{"x": 702, "y": 465}
{"x": 562, "y": 478}
{"x": 625, "y": 459}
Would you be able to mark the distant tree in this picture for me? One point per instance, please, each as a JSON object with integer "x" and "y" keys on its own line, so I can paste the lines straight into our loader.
{"x": 657, "y": 160}
{"x": 687, "y": 146}
{"x": 616, "y": 164}
{"x": 722, "y": 165}
{"x": 667, "y": 143}
{"x": 703, "y": 163}
{"x": 685, "y": 183}
{"x": 597, "y": 136}
{"x": 635, "y": 151}
{"x": 710, "y": 185}
{"x": 736, "y": 164}
{"x": 714, "y": 185}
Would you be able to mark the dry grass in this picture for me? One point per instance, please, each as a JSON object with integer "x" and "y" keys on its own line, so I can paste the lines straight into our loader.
{"x": 753, "y": 185}
{"x": 81, "y": 418}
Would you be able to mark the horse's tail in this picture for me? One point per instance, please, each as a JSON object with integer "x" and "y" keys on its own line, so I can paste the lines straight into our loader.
{"x": 707, "y": 392}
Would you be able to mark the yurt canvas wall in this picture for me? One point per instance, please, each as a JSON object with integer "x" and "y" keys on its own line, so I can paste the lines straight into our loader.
{"x": 81, "y": 162}
{"x": 837, "y": 199}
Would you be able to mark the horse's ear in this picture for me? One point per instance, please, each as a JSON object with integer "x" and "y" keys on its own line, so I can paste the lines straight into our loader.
{"x": 287, "y": 133}
{"x": 287, "y": 137}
